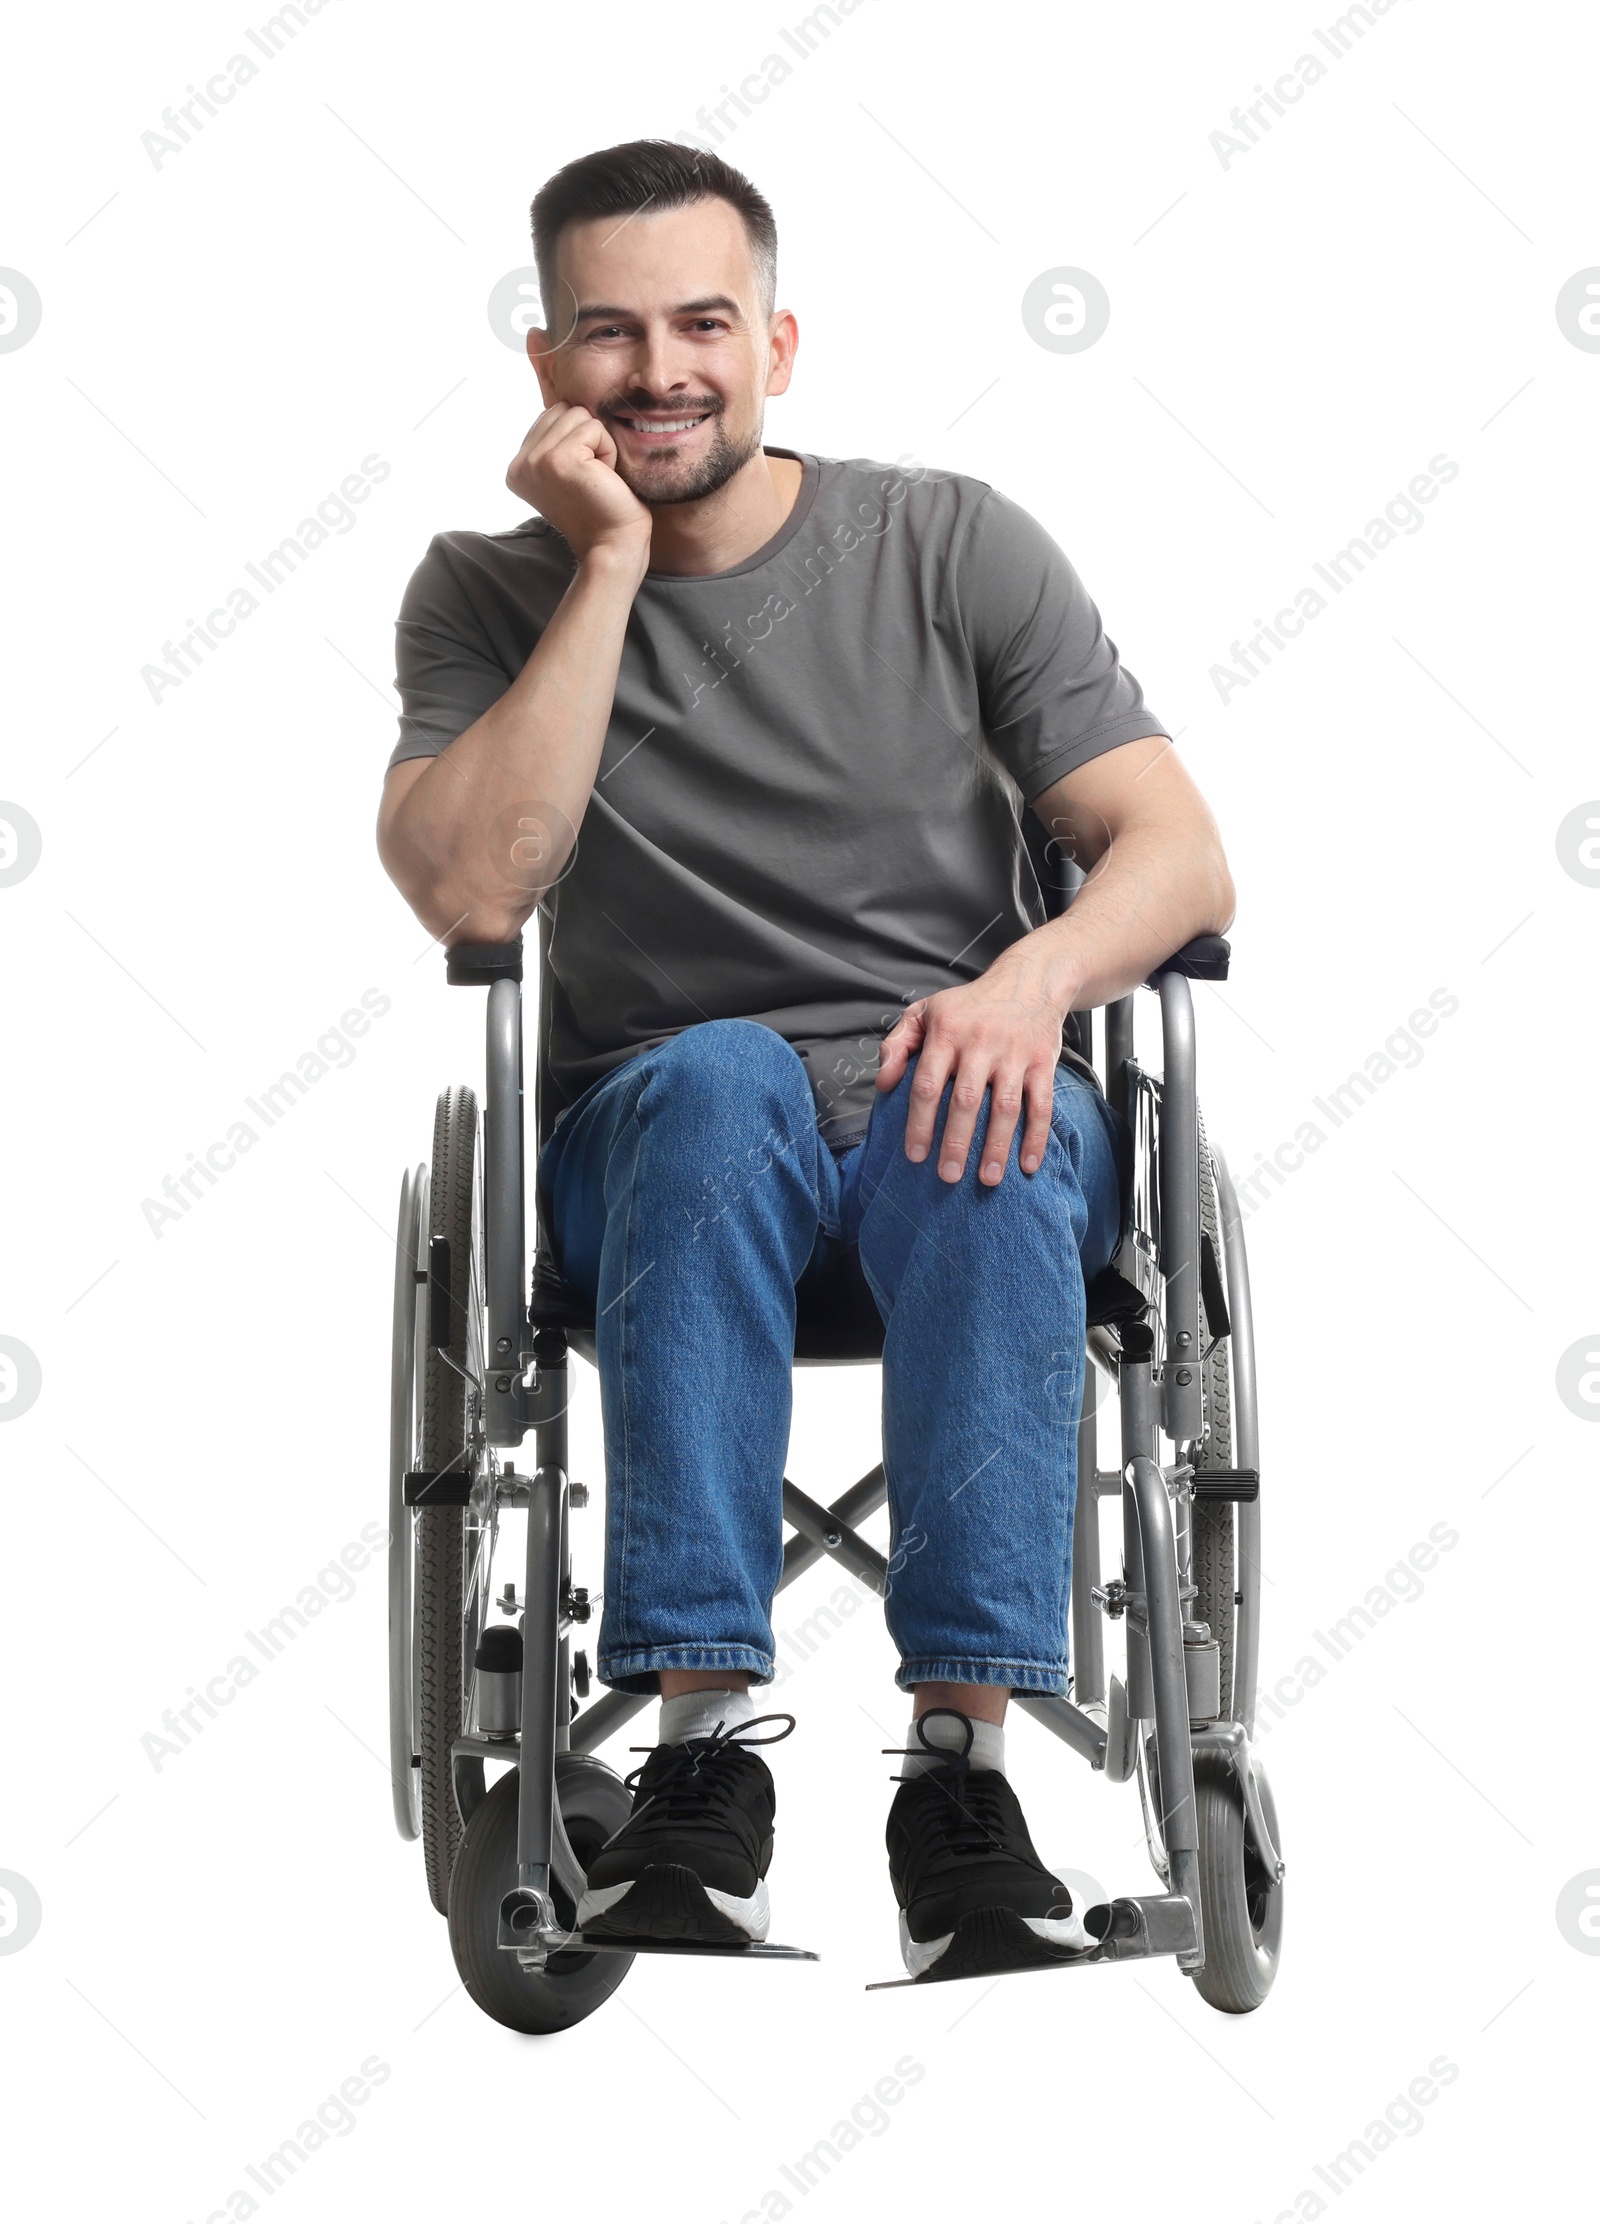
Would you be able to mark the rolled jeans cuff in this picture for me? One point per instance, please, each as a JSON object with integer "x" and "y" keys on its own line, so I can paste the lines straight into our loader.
{"x": 637, "y": 1669}
{"x": 1015, "y": 1675}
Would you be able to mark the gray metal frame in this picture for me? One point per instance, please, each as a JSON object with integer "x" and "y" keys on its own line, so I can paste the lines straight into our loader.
{"x": 410, "y": 1257}
{"x": 505, "y": 1216}
{"x": 1113, "y": 1724}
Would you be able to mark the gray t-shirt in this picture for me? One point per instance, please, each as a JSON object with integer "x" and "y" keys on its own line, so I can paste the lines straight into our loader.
{"x": 807, "y": 806}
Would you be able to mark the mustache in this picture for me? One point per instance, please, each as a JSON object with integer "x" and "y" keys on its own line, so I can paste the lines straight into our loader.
{"x": 627, "y": 405}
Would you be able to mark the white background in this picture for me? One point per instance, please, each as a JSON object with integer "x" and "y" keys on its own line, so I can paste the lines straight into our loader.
{"x": 1293, "y": 336}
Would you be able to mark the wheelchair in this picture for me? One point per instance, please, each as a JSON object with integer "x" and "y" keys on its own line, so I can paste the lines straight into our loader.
{"x": 480, "y": 1363}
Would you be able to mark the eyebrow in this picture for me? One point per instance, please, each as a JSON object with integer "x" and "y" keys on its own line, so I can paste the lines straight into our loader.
{"x": 684, "y": 308}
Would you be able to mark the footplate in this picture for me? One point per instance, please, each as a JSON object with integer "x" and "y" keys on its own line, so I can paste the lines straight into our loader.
{"x": 529, "y": 1929}
{"x": 1124, "y": 1930}
{"x": 757, "y": 1949}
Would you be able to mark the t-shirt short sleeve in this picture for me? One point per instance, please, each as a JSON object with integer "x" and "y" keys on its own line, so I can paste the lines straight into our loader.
{"x": 1052, "y": 690}
{"x": 446, "y": 672}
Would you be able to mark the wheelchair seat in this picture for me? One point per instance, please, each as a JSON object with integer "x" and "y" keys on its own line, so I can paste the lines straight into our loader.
{"x": 837, "y": 1322}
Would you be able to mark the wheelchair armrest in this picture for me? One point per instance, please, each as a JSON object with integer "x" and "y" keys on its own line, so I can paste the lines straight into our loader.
{"x": 476, "y": 964}
{"x": 1203, "y": 959}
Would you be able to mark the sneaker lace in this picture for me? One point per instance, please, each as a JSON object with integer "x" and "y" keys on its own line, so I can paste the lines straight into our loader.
{"x": 690, "y": 1776}
{"x": 972, "y": 1818}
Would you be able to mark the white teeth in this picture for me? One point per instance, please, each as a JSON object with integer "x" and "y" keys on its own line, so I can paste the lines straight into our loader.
{"x": 676, "y": 424}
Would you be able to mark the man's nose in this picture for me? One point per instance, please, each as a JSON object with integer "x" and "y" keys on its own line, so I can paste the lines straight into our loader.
{"x": 661, "y": 368}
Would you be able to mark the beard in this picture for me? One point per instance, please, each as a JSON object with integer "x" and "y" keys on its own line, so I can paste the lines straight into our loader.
{"x": 665, "y": 477}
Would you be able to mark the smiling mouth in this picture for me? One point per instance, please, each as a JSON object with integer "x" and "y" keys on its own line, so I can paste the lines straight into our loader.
{"x": 662, "y": 428}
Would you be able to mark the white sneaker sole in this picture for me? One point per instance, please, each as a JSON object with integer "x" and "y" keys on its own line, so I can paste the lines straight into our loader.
{"x": 1066, "y": 1932}
{"x": 752, "y": 1916}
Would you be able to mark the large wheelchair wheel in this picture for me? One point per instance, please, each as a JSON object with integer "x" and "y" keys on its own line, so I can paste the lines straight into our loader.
{"x": 439, "y": 1553}
{"x": 572, "y": 1984}
{"x": 1241, "y": 1901}
{"x": 410, "y": 1271}
{"x": 1214, "y": 1562}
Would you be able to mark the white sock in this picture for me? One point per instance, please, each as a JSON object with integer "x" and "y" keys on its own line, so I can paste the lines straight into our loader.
{"x": 947, "y": 1733}
{"x": 695, "y": 1714}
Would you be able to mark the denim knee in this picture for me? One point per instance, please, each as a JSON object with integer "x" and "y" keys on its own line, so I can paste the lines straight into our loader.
{"x": 723, "y": 1050}
{"x": 720, "y": 1104}
{"x": 725, "y": 1073}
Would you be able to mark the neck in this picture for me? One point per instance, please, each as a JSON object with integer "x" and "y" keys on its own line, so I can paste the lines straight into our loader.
{"x": 691, "y": 539}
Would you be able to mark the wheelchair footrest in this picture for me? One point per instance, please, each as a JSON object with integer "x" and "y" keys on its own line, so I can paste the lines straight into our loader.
{"x": 933, "y": 1976}
{"x": 755, "y": 1950}
{"x": 1125, "y": 1930}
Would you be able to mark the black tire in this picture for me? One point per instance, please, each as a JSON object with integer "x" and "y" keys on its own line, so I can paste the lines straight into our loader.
{"x": 1213, "y": 1560}
{"x": 1241, "y": 1904}
{"x": 451, "y": 1437}
{"x": 594, "y": 1803}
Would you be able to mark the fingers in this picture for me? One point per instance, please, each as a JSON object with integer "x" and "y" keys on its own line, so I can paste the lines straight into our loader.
{"x": 1041, "y": 1088}
{"x": 580, "y": 432}
{"x": 899, "y": 1044}
{"x": 934, "y": 1064}
{"x": 976, "y": 1056}
{"x": 545, "y": 419}
{"x": 604, "y": 446}
{"x": 1008, "y": 1090}
{"x": 532, "y": 447}
{"x": 560, "y": 418}
{"x": 567, "y": 470}
{"x": 966, "y": 1096}
{"x": 552, "y": 429}
{"x": 1005, "y": 1105}
{"x": 543, "y": 426}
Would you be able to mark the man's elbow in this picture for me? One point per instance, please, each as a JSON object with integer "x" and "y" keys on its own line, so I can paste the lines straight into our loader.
{"x": 453, "y": 911}
{"x": 408, "y": 869}
{"x": 453, "y": 905}
{"x": 1224, "y": 902}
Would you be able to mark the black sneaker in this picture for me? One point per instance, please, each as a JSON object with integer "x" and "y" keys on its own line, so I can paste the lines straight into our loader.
{"x": 690, "y": 1863}
{"x": 975, "y": 1899}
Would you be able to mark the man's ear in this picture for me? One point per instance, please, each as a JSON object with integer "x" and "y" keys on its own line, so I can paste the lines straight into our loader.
{"x": 782, "y": 343}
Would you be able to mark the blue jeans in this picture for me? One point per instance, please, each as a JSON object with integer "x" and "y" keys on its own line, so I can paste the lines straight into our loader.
{"x": 688, "y": 1192}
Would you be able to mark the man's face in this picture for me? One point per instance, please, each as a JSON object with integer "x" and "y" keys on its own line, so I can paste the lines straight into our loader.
{"x": 659, "y": 329}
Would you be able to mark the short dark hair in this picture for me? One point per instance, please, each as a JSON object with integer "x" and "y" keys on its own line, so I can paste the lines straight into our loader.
{"x": 655, "y": 174}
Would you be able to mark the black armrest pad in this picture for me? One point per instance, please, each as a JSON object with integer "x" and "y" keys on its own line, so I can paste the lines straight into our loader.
{"x": 1203, "y": 959}
{"x": 476, "y": 964}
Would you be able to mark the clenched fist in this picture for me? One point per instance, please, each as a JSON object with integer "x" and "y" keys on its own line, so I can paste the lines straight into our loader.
{"x": 567, "y": 470}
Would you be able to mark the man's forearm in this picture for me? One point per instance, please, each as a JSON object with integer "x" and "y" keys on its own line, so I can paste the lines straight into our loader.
{"x": 520, "y": 777}
{"x": 1149, "y": 894}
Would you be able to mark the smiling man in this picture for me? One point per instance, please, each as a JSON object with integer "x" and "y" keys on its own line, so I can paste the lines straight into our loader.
{"x": 756, "y": 727}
